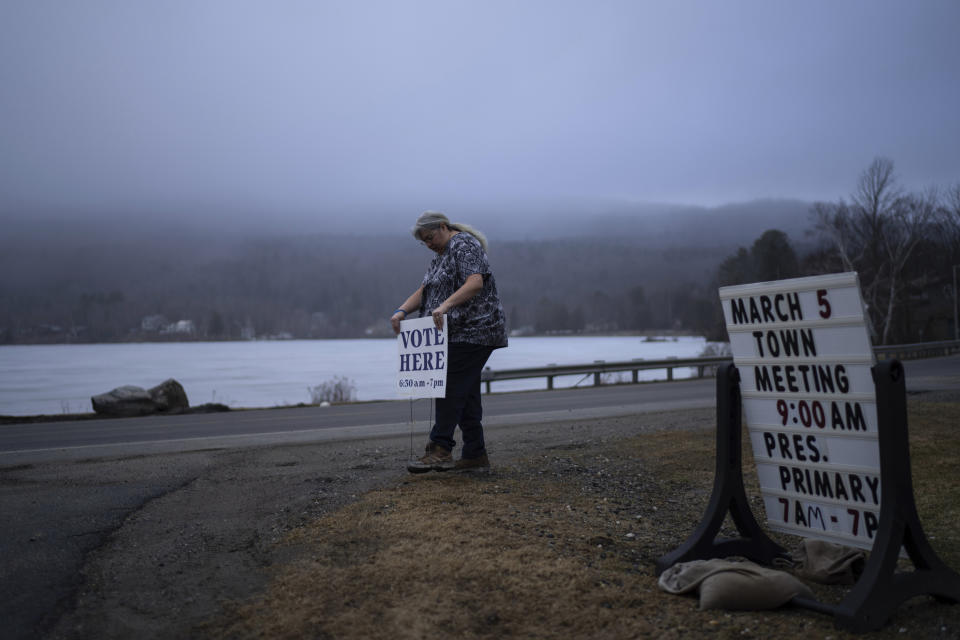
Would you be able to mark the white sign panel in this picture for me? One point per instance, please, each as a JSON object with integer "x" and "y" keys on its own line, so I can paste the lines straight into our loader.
{"x": 804, "y": 357}
{"x": 422, "y": 361}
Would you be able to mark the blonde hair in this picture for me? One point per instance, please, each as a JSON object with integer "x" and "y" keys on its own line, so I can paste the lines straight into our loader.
{"x": 435, "y": 219}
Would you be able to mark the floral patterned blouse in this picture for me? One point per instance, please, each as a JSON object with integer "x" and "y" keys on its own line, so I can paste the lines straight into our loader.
{"x": 481, "y": 319}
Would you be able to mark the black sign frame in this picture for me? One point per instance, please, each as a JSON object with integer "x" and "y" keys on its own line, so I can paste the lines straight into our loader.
{"x": 881, "y": 588}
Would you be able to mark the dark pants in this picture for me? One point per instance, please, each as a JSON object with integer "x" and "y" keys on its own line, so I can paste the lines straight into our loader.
{"x": 461, "y": 406}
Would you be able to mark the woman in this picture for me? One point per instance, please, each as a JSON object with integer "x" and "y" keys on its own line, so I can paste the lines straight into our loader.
{"x": 458, "y": 283}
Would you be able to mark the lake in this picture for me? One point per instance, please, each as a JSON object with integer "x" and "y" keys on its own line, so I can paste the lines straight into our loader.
{"x": 53, "y": 379}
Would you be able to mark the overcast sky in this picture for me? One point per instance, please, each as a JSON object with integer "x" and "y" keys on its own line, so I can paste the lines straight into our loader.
{"x": 333, "y": 110}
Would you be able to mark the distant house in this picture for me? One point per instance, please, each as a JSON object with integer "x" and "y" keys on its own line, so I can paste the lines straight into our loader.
{"x": 184, "y": 327}
{"x": 154, "y": 323}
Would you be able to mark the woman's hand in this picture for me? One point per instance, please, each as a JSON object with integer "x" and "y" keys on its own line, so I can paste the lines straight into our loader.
{"x": 395, "y": 320}
{"x": 438, "y": 315}
{"x": 413, "y": 302}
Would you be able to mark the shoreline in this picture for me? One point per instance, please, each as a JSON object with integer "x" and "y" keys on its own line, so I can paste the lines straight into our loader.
{"x": 219, "y": 408}
{"x": 652, "y": 333}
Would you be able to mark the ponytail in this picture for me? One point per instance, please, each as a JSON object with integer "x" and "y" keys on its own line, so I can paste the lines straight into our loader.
{"x": 433, "y": 220}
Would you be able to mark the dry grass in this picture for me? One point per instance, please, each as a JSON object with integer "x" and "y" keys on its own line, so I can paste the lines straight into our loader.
{"x": 934, "y": 452}
{"x": 559, "y": 545}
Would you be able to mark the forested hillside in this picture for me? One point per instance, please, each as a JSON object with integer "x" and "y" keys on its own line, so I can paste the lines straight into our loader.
{"x": 330, "y": 286}
{"x": 618, "y": 269}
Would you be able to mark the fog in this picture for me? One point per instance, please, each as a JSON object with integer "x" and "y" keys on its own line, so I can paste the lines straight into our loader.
{"x": 532, "y": 118}
{"x": 254, "y": 168}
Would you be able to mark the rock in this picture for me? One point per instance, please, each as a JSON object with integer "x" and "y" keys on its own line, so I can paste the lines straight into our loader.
{"x": 169, "y": 397}
{"x": 124, "y": 401}
{"x": 129, "y": 400}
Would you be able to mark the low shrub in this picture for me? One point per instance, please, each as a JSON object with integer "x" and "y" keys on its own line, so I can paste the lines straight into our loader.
{"x": 338, "y": 389}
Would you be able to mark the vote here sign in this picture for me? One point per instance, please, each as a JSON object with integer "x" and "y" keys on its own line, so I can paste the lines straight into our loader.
{"x": 422, "y": 361}
{"x": 804, "y": 357}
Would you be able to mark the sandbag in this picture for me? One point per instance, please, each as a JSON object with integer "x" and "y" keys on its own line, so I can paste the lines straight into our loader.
{"x": 827, "y": 562}
{"x": 734, "y": 585}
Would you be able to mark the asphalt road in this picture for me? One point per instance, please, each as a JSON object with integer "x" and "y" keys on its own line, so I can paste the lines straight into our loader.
{"x": 42, "y": 442}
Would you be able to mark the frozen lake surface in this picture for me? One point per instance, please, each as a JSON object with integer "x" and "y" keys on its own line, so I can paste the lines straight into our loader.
{"x": 51, "y": 379}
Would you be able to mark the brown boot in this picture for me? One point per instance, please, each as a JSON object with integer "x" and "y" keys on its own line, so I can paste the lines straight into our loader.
{"x": 436, "y": 459}
{"x": 480, "y": 463}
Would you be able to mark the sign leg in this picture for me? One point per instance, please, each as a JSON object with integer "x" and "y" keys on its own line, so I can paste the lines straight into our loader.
{"x": 882, "y": 588}
{"x": 728, "y": 494}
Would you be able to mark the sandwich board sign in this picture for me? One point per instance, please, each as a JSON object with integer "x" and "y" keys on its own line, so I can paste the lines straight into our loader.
{"x": 828, "y": 429}
{"x": 421, "y": 363}
{"x": 805, "y": 361}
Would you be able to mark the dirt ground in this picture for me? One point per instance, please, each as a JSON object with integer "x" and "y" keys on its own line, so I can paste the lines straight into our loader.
{"x": 559, "y": 543}
{"x": 558, "y": 540}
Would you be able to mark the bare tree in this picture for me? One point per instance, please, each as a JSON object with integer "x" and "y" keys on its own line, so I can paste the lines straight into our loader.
{"x": 876, "y": 235}
{"x": 909, "y": 220}
{"x": 877, "y": 190}
{"x": 948, "y": 220}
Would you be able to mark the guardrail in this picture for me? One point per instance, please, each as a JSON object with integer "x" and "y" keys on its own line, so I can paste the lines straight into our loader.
{"x": 600, "y": 367}
{"x": 917, "y": 350}
{"x": 597, "y": 369}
